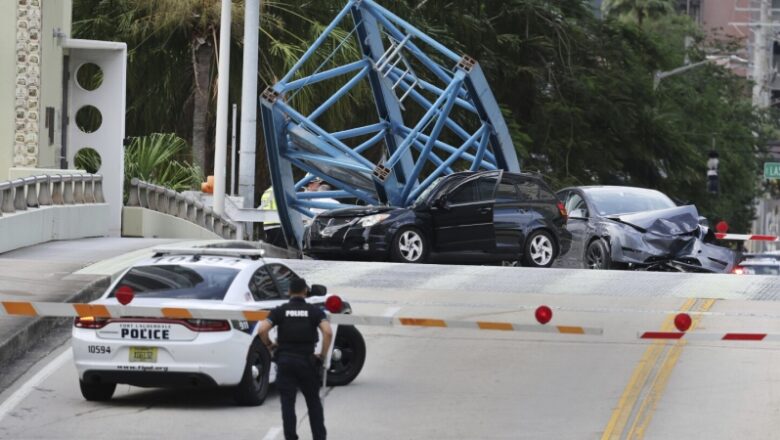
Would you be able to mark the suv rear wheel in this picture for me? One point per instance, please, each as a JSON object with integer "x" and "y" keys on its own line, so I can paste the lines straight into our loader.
{"x": 539, "y": 250}
{"x": 409, "y": 246}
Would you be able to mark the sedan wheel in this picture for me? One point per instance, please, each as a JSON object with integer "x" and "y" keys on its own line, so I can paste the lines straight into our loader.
{"x": 539, "y": 250}
{"x": 409, "y": 246}
{"x": 597, "y": 256}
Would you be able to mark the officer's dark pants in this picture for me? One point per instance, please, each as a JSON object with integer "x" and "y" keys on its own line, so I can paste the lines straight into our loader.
{"x": 298, "y": 372}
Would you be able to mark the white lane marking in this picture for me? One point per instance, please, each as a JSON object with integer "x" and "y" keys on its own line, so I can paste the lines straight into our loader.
{"x": 390, "y": 312}
{"x": 273, "y": 433}
{"x": 19, "y": 395}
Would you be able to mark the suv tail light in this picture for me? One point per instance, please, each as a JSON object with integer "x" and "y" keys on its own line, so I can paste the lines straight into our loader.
{"x": 90, "y": 322}
{"x": 207, "y": 325}
{"x": 738, "y": 270}
{"x": 562, "y": 210}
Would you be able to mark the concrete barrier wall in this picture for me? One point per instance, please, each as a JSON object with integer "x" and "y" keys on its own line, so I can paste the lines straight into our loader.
{"x": 56, "y": 222}
{"x": 142, "y": 222}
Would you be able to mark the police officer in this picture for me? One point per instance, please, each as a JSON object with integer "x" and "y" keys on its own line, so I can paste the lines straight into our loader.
{"x": 298, "y": 365}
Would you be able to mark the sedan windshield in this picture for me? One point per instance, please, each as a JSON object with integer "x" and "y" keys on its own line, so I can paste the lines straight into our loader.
{"x": 623, "y": 200}
{"x": 177, "y": 281}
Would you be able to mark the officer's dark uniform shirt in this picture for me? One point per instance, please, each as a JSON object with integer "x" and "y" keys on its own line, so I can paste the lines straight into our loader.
{"x": 297, "y": 323}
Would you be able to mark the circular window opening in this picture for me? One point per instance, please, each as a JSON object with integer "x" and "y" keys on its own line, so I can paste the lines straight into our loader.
{"x": 89, "y": 76}
{"x": 88, "y": 159}
{"x": 88, "y": 119}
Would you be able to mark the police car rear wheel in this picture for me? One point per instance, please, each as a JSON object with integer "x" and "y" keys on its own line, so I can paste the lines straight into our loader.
{"x": 97, "y": 391}
{"x": 253, "y": 388}
{"x": 349, "y": 355}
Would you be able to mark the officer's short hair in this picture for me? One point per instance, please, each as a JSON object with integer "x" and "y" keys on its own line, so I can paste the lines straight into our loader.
{"x": 298, "y": 286}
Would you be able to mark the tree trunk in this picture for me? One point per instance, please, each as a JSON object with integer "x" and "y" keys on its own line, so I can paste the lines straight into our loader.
{"x": 203, "y": 54}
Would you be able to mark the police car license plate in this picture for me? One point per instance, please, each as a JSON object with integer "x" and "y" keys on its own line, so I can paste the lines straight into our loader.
{"x": 143, "y": 354}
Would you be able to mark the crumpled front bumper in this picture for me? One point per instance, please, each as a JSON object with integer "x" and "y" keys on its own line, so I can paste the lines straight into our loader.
{"x": 345, "y": 239}
{"x": 688, "y": 252}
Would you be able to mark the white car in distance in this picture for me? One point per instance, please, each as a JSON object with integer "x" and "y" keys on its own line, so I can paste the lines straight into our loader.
{"x": 174, "y": 352}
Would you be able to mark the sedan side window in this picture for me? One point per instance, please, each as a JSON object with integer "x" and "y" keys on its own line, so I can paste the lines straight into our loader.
{"x": 262, "y": 285}
{"x": 575, "y": 206}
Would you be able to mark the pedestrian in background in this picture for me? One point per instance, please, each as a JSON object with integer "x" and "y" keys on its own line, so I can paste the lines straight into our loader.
{"x": 298, "y": 366}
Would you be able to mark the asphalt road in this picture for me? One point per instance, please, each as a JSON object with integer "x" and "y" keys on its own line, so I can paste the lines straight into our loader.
{"x": 428, "y": 383}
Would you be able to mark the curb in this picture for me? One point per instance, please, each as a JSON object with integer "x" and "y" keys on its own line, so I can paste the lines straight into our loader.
{"x": 36, "y": 329}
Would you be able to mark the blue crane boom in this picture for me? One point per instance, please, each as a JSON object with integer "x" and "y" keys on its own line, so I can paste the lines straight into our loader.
{"x": 435, "y": 113}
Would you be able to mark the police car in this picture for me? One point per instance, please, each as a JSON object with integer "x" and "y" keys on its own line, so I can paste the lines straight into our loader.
{"x": 171, "y": 352}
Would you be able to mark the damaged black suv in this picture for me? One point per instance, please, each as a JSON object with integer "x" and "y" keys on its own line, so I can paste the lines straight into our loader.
{"x": 497, "y": 214}
{"x": 620, "y": 227}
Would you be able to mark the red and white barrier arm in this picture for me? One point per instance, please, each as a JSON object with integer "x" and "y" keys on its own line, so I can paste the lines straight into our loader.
{"x": 747, "y": 237}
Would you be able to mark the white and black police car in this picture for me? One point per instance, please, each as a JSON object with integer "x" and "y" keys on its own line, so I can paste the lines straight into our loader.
{"x": 166, "y": 352}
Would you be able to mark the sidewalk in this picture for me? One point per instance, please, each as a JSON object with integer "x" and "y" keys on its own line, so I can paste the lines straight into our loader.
{"x": 53, "y": 272}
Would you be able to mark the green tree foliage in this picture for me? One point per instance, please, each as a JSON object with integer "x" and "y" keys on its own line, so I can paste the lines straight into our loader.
{"x": 154, "y": 159}
{"x": 577, "y": 92}
{"x": 579, "y": 98}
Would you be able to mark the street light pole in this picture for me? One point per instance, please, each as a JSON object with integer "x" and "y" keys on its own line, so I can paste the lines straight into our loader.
{"x": 223, "y": 83}
{"x": 249, "y": 103}
{"x": 761, "y": 57}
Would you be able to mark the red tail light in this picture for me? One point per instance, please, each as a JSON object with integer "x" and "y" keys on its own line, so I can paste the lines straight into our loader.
{"x": 90, "y": 322}
{"x": 334, "y": 304}
{"x": 562, "y": 210}
{"x": 207, "y": 325}
{"x": 738, "y": 270}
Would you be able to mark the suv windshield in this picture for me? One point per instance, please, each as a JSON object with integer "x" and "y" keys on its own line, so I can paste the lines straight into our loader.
{"x": 622, "y": 200}
{"x": 177, "y": 281}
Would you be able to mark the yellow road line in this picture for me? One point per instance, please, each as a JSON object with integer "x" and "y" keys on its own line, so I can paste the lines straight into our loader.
{"x": 628, "y": 399}
{"x": 647, "y": 409}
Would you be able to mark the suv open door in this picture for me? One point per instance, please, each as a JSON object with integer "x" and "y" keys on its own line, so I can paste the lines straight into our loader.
{"x": 463, "y": 216}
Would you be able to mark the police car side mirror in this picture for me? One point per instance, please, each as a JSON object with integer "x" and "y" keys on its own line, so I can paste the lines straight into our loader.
{"x": 318, "y": 290}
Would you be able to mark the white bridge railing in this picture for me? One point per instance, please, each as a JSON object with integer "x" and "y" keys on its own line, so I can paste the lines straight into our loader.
{"x": 167, "y": 201}
{"x": 59, "y": 189}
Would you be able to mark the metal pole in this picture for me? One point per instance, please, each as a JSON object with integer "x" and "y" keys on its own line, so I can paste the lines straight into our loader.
{"x": 246, "y": 175}
{"x": 223, "y": 72}
{"x": 761, "y": 56}
{"x": 233, "y": 153}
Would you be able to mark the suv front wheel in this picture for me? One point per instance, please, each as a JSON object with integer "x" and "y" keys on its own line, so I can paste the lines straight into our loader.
{"x": 409, "y": 246}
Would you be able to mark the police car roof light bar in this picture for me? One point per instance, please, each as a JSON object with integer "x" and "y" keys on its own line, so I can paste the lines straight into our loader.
{"x": 253, "y": 254}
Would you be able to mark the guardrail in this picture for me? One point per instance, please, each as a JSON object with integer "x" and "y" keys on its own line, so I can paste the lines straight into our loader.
{"x": 45, "y": 190}
{"x": 167, "y": 201}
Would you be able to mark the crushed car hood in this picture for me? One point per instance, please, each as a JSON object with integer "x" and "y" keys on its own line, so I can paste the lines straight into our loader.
{"x": 672, "y": 234}
{"x": 361, "y": 211}
{"x": 673, "y": 221}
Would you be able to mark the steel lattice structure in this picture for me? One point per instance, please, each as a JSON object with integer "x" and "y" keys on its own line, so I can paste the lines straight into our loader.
{"x": 435, "y": 114}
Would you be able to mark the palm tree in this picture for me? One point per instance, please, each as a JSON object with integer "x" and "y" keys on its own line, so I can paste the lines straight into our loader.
{"x": 638, "y": 10}
{"x": 198, "y": 21}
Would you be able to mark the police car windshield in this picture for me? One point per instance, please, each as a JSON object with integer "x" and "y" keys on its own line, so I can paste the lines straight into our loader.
{"x": 178, "y": 281}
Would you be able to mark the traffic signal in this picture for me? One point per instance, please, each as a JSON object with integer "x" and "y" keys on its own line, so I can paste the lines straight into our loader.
{"x": 713, "y": 181}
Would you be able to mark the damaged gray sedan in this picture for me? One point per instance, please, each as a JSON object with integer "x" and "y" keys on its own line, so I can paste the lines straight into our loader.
{"x": 619, "y": 227}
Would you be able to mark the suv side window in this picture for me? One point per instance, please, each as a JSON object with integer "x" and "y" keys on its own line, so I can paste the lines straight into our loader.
{"x": 528, "y": 190}
{"x": 507, "y": 192}
{"x": 474, "y": 191}
{"x": 467, "y": 193}
{"x": 262, "y": 285}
